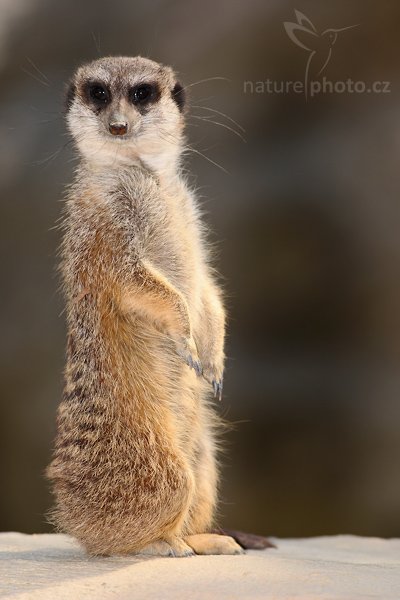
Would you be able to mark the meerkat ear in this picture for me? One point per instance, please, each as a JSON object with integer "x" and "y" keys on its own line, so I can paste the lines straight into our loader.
{"x": 70, "y": 96}
{"x": 179, "y": 96}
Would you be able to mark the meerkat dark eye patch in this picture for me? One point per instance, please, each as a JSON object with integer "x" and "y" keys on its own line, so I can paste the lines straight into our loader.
{"x": 179, "y": 95}
{"x": 98, "y": 94}
{"x": 144, "y": 93}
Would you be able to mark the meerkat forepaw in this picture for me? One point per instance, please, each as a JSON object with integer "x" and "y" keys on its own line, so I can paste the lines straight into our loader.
{"x": 188, "y": 351}
{"x": 194, "y": 364}
{"x": 215, "y": 377}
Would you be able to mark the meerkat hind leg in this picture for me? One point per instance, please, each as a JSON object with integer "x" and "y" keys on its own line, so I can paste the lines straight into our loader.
{"x": 213, "y": 543}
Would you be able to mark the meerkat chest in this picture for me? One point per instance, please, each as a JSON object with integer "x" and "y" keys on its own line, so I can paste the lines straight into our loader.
{"x": 174, "y": 246}
{"x": 131, "y": 215}
{"x": 166, "y": 230}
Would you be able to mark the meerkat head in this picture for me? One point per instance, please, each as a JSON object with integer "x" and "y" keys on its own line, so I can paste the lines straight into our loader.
{"x": 124, "y": 111}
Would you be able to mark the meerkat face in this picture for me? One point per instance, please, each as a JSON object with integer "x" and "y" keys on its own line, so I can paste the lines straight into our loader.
{"x": 124, "y": 111}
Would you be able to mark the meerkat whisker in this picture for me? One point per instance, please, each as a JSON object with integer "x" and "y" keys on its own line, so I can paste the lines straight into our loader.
{"x": 191, "y": 149}
{"x": 209, "y": 120}
{"x": 222, "y": 114}
{"x": 35, "y": 77}
{"x": 206, "y": 81}
{"x": 96, "y": 40}
{"x": 30, "y": 61}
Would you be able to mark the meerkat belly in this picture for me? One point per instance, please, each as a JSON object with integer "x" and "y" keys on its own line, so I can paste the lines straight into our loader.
{"x": 118, "y": 460}
{"x": 159, "y": 392}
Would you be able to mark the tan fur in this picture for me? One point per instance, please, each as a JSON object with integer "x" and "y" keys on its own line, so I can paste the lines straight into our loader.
{"x": 134, "y": 465}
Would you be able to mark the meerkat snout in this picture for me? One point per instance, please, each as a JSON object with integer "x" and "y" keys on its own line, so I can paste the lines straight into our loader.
{"x": 118, "y": 127}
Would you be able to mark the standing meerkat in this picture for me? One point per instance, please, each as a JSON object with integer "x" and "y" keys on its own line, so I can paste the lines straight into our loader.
{"x": 134, "y": 467}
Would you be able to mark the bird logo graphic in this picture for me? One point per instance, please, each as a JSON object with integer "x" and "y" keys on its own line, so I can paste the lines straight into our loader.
{"x": 318, "y": 45}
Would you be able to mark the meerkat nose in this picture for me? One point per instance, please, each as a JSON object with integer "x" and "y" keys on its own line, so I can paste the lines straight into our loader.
{"x": 118, "y": 127}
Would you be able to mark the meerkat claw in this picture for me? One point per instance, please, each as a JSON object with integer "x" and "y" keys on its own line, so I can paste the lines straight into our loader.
{"x": 186, "y": 349}
{"x": 198, "y": 368}
{"x": 217, "y": 386}
{"x": 196, "y": 365}
{"x": 193, "y": 364}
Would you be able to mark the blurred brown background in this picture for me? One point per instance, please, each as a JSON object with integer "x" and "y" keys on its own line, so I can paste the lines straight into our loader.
{"x": 307, "y": 223}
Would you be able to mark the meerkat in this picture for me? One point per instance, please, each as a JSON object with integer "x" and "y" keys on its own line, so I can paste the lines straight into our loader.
{"x": 134, "y": 468}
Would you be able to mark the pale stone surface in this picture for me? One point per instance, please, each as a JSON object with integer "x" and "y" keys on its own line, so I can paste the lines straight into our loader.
{"x": 53, "y": 567}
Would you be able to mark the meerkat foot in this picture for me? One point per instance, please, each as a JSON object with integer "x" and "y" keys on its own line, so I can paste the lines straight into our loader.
{"x": 212, "y": 543}
{"x": 174, "y": 548}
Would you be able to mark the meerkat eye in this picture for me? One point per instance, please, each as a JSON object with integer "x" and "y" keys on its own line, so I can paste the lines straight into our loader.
{"x": 99, "y": 94}
{"x": 143, "y": 93}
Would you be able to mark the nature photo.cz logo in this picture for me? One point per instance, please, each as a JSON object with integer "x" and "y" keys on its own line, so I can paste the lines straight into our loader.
{"x": 319, "y": 47}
